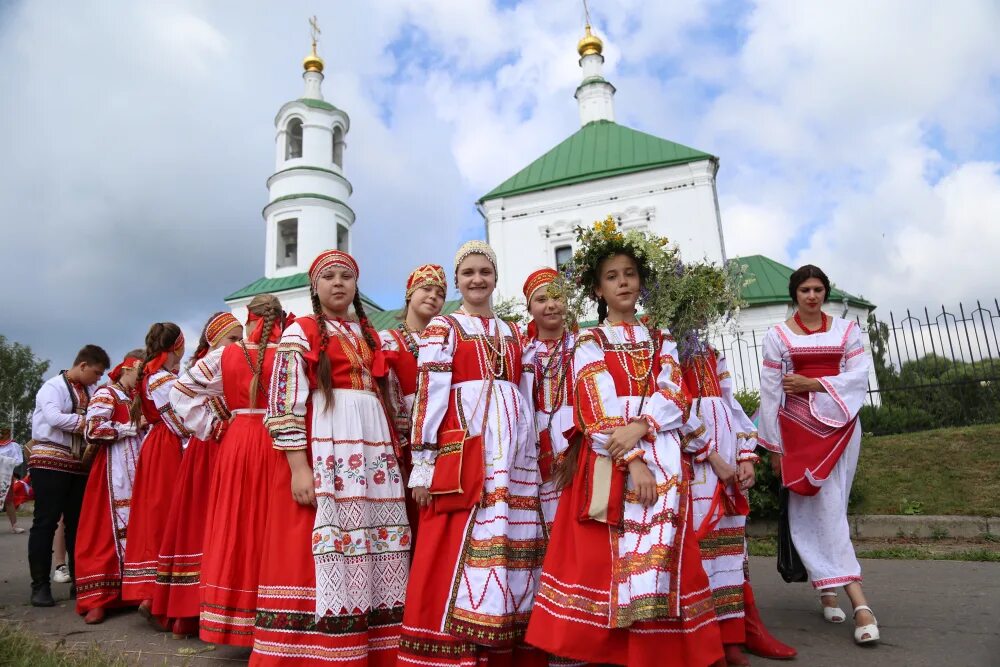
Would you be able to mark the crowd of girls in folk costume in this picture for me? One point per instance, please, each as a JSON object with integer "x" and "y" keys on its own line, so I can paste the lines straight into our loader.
{"x": 580, "y": 494}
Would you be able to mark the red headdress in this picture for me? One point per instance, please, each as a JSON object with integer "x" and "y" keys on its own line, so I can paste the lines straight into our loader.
{"x": 157, "y": 362}
{"x": 536, "y": 281}
{"x": 329, "y": 258}
{"x": 428, "y": 274}
{"x": 129, "y": 362}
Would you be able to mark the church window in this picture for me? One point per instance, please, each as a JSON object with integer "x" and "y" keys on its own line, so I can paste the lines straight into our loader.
{"x": 338, "y": 146}
{"x": 293, "y": 139}
{"x": 564, "y": 253}
{"x": 288, "y": 243}
{"x": 343, "y": 239}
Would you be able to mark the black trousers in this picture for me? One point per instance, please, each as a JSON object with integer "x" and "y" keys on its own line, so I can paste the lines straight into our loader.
{"x": 57, "y": 494}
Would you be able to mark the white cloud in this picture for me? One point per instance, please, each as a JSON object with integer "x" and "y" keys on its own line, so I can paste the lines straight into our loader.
{"x": 850, "y": 135}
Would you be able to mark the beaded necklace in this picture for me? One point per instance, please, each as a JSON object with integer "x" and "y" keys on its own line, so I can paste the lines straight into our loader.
{"x": 556, "y": 369}
{"x": 492, "y": 355}
{"x": 806, "y": 330}
{"x": 409, "y": 338}
{"x": 641, "y": 358}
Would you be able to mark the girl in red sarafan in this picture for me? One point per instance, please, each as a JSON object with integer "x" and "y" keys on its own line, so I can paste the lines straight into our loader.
{"x": 104, "y": 517}
{"x": 158, "y": 465}
{"x": 623, "y": 581}
{"x": 178, "y": 570}
{"x": 425, "y": 292}
{"x": 239, "y": 490}
{"x": 336, "y": 553}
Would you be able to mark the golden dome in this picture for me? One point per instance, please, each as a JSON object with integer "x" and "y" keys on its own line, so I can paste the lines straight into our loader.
{"x": 312, "y": 62}
{"x": 590, "y": 45}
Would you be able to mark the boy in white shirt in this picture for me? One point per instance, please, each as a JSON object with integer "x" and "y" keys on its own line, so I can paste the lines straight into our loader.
{"x": 58, "y": 473}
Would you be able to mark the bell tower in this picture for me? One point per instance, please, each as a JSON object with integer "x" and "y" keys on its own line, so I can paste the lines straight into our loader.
{"x": 308, "y": 208}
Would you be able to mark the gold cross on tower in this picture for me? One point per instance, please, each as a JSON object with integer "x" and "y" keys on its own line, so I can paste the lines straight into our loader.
{"x": 314, "y": 31}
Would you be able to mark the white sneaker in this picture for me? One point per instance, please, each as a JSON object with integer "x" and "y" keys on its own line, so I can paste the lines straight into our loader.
{"x": 61, "y": 575}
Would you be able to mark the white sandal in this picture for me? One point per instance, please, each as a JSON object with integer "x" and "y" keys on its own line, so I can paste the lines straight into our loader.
{"x": 871, "y": 629}
{"x": 832, "y": 614}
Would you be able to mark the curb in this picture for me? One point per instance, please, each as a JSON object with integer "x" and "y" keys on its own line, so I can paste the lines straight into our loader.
{"x": 869, "y": 526}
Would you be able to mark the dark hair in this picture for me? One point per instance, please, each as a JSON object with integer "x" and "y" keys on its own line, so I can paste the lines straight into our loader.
{"x": 602, "y": 305}
{"x": 324, "y": 374}
{"x": 804, "y": 273}
{"x": 92, "y": 355}
{"x": 268, "y": 307}
{"x": 161, "y": 337}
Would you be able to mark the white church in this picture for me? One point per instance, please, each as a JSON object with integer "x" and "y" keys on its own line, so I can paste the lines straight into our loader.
{"x": 603, "y": 168}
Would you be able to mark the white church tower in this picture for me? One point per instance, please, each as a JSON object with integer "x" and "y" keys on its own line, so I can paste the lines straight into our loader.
{"x": 308, "y": 207}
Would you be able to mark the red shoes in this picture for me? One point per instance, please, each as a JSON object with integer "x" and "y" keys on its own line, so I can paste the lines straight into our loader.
{"x": 94, "y": 616}
{"x": 758, "y": 640}
{"x": 184, "y": 628}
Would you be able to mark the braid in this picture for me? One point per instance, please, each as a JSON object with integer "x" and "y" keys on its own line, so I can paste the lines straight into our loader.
{"x": 323, "y": 371}
{"x": 270, "y": 317}
{"x": 366, "y": 330}
{"x": 161, "y": 337}
{"x": 135, "y": 409}
{"x": 602, "y": 310}
{"x": 201, "y": 351}
{"x": 366, "y": 326}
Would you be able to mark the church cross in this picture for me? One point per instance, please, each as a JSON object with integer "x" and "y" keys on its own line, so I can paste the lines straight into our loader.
{"x": 314, "y": 30}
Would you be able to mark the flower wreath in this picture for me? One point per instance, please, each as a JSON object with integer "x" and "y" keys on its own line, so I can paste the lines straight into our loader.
{"x": 689, "y": 299}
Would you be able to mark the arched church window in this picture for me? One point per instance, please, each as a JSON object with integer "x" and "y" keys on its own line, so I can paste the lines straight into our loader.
{"x": 287, "y": 243}
{"x": 293, "y": 139}
{"x": 343, "y": 239}
{"x": 564, "y": 253}
{"x": 338, "y": 146}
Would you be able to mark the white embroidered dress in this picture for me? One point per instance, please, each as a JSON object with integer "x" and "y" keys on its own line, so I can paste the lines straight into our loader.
{"x": 818, "y": 523}
{"x": 729, "y": 432}
{"x": 361, "y": 536}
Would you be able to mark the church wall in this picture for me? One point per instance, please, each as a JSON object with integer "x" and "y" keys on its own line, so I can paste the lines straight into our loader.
{"x": 317, "y": 231}
{"x": 677, "y": 202}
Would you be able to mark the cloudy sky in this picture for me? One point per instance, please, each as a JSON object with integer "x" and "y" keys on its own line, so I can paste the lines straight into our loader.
{"x": 135, "y": 138}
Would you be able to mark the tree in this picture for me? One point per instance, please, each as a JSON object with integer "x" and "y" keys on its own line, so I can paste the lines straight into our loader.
{"x": 21, "y": 376}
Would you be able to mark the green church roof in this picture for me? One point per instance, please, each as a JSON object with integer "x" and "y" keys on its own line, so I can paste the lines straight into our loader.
{"x": 283, "y": 284}
{"x": 387, "y": 319}
{"x": 769, "y": 283}
{"x": 597, "y": 150}
{"x": 317, "y": 104}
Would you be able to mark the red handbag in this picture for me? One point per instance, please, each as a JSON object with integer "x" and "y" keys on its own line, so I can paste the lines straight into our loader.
{"x": 458, "y": 471}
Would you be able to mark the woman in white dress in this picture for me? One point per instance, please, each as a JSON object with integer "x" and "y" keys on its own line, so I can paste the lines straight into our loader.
{"x": 813, "y": 383}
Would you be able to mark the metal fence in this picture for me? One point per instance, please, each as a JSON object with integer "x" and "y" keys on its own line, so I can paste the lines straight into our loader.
{"x": 915, "y": 353}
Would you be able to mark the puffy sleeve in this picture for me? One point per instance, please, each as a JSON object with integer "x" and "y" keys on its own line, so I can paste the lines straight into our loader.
{"x": 49, "y": 402}
{"x": 197, "y": 396}
{"x": 595, "y": 396}
{"x": 668, "y": 407}
{"x": 158, "y": 392}
{"x": 101, "y": 427}
{"x": 771, "y": 393}
{"x": 746, "y": 432}
{"x": 289, "y": 391}
{"x": 845, "y": 393}
{"x": 434, "y": 365}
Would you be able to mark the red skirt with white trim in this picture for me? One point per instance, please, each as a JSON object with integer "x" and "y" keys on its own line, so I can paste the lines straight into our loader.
{"x": 178, "y": 569}
{"x": 286, "y": 630}
{"x": 234, "y": 531}
{"x": 98, "y": 568}
{"x": 152, "y": 493}
{"x": 571, "y": 610}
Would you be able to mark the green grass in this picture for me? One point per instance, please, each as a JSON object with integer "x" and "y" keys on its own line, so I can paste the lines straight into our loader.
{"x": 19, "y": 648}
{"x": 944, "y": 471}
{"x": 929, "y": 550}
